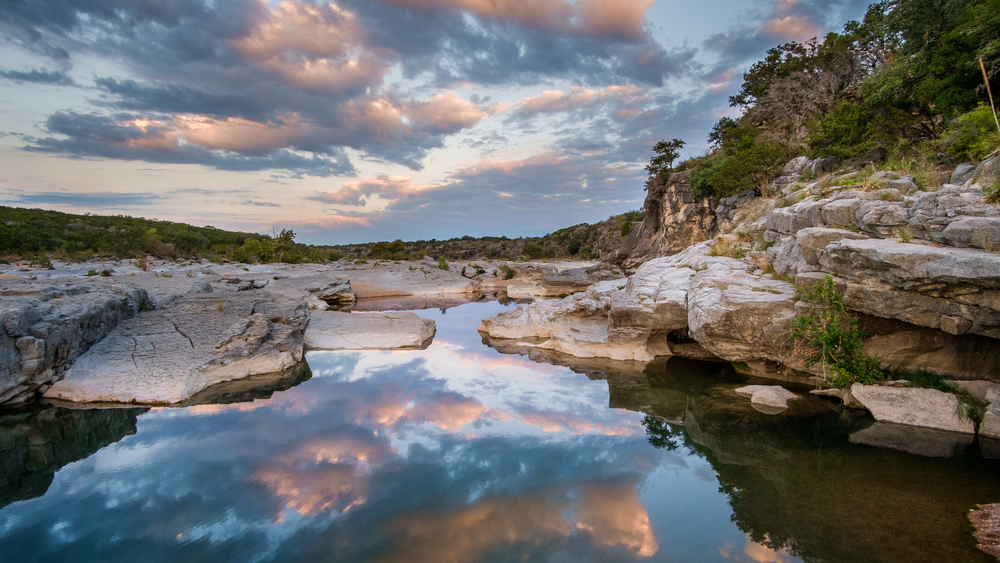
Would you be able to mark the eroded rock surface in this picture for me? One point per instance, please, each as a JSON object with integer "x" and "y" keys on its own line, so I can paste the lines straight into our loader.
{"x": 46, "y": 327}
{"x": 166, "y": 356}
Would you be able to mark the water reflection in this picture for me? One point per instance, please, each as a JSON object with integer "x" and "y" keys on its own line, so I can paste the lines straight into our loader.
{"x": 459, "y": 453}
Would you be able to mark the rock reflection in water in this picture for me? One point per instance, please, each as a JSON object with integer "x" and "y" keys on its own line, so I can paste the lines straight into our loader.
{"x": 796, "y": 483}
{"x": 37, "y": 442}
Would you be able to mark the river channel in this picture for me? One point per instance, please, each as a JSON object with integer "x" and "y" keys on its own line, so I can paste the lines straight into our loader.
{"x": 460, "y": 453}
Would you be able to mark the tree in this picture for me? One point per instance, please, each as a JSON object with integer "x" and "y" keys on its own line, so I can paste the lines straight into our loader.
{"x": 662, "y": 164}
{"x": 719, "y": 131}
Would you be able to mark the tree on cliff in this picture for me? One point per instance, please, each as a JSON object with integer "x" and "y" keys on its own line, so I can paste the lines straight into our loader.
{"x": 662, "y": 163}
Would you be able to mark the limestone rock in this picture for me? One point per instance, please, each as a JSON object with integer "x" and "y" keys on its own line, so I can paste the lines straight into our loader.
{"x": 384, "y": 280}
{"x": 673, "y": 222}
{"x": 332, "y": 330}
{"x": 986, "y": 520}
{"x": 991, "y": 420}
{"x": 769, "y": 398}
{"x": 46, "y": 327}
{"x": 167, "y": 355}
{"x": 962, "y": 173}
{"x": 319, "y": 291}
{"x": 926, "y": 408}
{"x": 738, "y": 316}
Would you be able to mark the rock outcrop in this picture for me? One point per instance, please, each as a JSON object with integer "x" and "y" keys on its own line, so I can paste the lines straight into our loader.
{"x": 46, "y": 328}
{"x": 166, "y": 356}
{"x": 673, "y": 222}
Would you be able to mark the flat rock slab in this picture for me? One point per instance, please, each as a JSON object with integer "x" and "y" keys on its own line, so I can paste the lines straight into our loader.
{"x": 926, "y": 408}
{"x": 768, "y": 399}
{"x": 331, "y": 330}
{"x": 167, "y": 355}
{"x": 927, "y": 442}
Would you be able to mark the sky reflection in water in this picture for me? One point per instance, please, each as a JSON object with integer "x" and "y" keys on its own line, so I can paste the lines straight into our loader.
{"x": 452, "y": 454}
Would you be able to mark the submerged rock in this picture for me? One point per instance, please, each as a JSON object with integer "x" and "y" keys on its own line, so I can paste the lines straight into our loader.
{"x": 168, "y": 355}
{"x": 331, "y": 330}
{"x": 986, "y": 520}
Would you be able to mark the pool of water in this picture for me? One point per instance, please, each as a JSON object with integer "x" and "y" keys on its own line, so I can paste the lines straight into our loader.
{"x": 461, "y": 453}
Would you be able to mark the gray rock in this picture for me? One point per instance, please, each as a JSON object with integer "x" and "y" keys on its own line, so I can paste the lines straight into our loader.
{"x": 202, "y": 287}
{"x": 773, "y": 398}
{"x": 332, "y": 330}
{"x": 980, "y": 232}
{"x": 46, "y": 328}
{"x": 794, "y": 166}
{"x": 167, "y": 355}
{"x": 962, "y": 174}
{"x": 925, "y": 408}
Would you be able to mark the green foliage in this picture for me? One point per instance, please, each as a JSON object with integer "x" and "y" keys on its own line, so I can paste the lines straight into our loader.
{"x": 666, "y": 152}
{"x": 661, "y": 435}
{"x": 389, "y": 250}
{"x": 852, "y": 130}
{"x": 506, "y": 272}
{"x": 533, "y": 251}
{"x": 443, "y": 264}
{"x": 748, "y": 161}
{"x": 829, "y": 335}
{"x": 701, "y": 178}
{"x": 972, "y": 136}
{"x": 721, "y": 129}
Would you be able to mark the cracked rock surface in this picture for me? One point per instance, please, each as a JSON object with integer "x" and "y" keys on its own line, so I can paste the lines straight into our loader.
{"x": 168, "y": 355}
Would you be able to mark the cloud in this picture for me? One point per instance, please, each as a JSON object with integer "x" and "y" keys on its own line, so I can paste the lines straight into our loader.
{"x": 387, "y": 187}
{"x": 38, "y": 76}
{"x": 602, "y": 19}
{"x": 791, "y": 28}
{"x": 87, "y": 199}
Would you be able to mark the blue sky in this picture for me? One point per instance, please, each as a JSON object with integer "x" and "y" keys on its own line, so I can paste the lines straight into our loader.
{"x": 365, "y": 120}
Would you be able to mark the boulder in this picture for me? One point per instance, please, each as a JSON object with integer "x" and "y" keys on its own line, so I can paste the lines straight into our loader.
{"x": 319, "y": 291}
{"x": 332, "y": 330}
{"x": 768, "y": 399}
{"x": 167, "y": 355}
{"x": 926, "y": 408}
{"x": 991, "y": 420}
{"x": 962, "y": 173}
{"x": 986, "y": 520}
{"x": 738, "y": 316}
{"x": 980, "y": 232}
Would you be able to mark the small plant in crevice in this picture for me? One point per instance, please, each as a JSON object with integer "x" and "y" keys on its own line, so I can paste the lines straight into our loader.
{"x": 443, "y": 264}
{"x": 725, "y": 246}
{"x": 506, "y": 272}
{"x": 829, "y": 335}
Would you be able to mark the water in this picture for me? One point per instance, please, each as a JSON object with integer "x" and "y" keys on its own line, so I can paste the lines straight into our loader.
{"x": 459, "y": 453}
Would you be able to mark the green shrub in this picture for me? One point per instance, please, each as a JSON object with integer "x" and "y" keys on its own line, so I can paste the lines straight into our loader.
{"x": 533, "y": 250}
{"x": 829, "y": 335}
{"x": 506, "y": 272}
{"x": 443, "y": 264}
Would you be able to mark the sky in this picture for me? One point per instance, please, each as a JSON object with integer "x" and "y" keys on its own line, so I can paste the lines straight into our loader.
{"x": 366, "y": 120}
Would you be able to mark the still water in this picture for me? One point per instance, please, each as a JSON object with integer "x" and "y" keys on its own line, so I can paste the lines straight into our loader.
{"x": 460, "y": 453}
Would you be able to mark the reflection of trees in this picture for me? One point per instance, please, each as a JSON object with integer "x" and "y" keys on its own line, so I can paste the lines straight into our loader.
{"x": 36, "y": 443}
{"x": 662, "y": 435}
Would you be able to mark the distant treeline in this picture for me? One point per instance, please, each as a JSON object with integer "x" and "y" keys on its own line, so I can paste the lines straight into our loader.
{"x": 40, "y": 235}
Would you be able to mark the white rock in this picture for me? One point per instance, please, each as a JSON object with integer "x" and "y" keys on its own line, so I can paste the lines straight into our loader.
{"x": 926, "y": 408}
{"x": 773, "y": 396}
{"x": 167, "y": 355}
{"x": 332, "y": 330}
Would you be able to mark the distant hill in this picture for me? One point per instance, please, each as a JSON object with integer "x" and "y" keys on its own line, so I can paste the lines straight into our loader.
{"x": 40, "y": 235}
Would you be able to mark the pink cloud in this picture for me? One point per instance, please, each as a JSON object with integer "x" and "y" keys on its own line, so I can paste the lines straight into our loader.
{"x": 320, "y": 47}
{"x": 447, "y": 113}
{"x": 387, "y": 187}
{"x": 331, "y": 221}
{"x": 239, "y": 135}
{"x": 791, "y": 27}
{"x": 557, "y": 100}
{"x": 594, "y": 18}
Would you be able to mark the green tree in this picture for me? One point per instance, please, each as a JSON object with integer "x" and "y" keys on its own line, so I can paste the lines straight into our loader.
{"x": 660, "y": 165}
